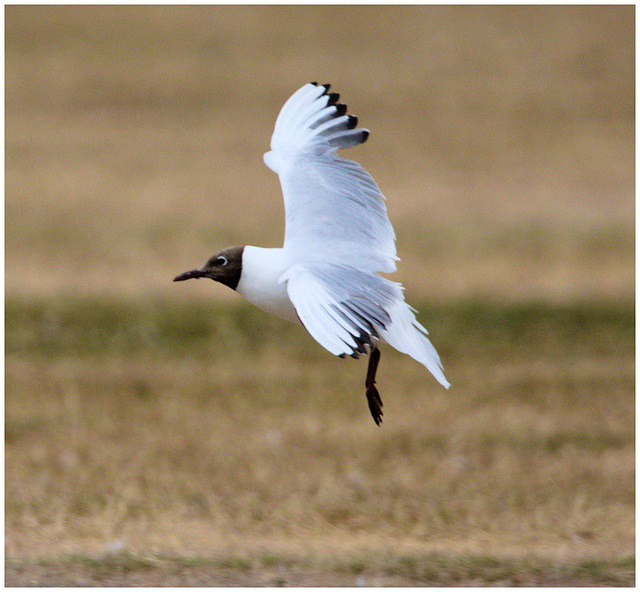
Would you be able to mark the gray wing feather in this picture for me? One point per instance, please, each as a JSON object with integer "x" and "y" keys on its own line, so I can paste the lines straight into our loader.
{"x": 342, "y": 307}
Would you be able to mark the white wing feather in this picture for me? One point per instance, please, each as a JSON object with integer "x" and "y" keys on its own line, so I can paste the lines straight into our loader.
{"x": 342, "y": 307}
{"x": 345, "y": 309}
{"x": 334, "y": 209}
{"x": 338, "y": 235}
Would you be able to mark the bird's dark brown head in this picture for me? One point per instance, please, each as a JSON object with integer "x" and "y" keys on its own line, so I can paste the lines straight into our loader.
{"x": 224, "y": 267}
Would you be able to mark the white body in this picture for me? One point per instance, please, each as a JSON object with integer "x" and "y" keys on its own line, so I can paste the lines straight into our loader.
{"x": 337, "y": 238}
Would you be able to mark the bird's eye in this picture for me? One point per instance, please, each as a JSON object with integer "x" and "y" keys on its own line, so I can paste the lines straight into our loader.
{"x": 222, "y": 261}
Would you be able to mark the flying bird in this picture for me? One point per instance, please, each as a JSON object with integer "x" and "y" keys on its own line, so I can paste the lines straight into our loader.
{"x": 337, "y": 239}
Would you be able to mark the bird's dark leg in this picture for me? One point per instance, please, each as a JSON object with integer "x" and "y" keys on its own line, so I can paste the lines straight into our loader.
{"x": 373, "y": 396}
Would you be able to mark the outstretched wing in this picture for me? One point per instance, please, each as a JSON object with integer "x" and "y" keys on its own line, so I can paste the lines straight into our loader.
{"x": 347, "y": 311}
{"x": 338, "y": 234}
{"x": 343, "y": 308}
{"x": 334, "y": 210}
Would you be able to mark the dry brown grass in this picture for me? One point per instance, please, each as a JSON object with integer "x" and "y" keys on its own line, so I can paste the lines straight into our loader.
{"x": 152, "y": 438}
{"x": 182, "y": 438}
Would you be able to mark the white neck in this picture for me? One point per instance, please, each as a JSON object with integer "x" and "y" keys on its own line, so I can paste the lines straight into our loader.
{"x": 259, "y": 281}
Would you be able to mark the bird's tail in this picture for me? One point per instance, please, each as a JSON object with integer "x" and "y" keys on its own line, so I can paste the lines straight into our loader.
{"x": 408, "y": 336}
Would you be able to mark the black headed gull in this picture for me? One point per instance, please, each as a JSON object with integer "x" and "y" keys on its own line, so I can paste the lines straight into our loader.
{"x": 337, "y": 238}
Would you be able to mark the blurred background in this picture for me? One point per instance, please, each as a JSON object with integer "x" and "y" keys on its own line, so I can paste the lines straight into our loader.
{"x": 149, "y": 418}
{"x": 501, "y": 136}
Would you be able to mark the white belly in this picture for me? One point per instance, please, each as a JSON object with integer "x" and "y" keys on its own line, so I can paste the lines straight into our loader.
{"x": 261, "y": 270}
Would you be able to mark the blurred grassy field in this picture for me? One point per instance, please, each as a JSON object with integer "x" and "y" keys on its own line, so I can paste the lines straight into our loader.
{"x": 164, "y": 434}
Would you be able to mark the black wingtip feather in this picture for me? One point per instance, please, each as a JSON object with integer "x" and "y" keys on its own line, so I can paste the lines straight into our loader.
{"x": 341, "y": 109}
{"x": 333, "y": 98}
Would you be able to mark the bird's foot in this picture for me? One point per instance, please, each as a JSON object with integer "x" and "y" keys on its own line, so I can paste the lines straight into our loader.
{"x": 375, "y": 403}
{"x": 373, "y": 396}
